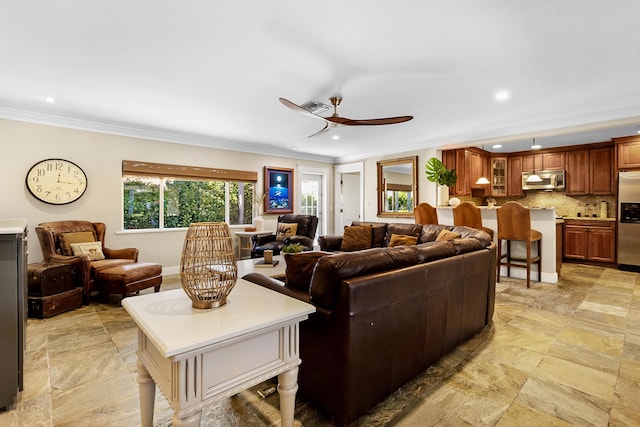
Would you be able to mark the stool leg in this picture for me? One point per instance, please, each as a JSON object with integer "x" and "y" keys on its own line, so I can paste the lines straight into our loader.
{"x": 508, "y": 258}
{"x": 499, "y": 260}
{"x": 528, "y": 263}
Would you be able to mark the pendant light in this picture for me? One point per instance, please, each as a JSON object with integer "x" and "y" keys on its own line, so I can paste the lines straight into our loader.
{"x": 534, "y": 177}
{"x": 482, "y": 180}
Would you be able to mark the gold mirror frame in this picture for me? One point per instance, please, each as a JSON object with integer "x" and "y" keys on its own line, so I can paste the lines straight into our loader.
{"x": 384, "y": 185}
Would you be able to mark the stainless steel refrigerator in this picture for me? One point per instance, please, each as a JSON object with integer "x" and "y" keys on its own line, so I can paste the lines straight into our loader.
{"x": 13, "y": 308}
{"x": 629, "y": 221}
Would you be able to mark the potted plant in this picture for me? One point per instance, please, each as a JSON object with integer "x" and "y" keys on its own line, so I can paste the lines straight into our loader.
{"x": 437, "y": 172}
{"x": 292, "y": 248}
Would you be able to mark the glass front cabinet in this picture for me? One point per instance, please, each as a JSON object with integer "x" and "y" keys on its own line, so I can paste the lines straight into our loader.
{"x": 499, "y": 176}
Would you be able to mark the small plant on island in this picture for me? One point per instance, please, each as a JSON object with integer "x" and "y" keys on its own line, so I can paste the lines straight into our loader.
{"x": 292, "y": 248}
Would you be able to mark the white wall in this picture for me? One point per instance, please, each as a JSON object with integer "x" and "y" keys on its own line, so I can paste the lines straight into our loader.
{"x": 100, "y": 156}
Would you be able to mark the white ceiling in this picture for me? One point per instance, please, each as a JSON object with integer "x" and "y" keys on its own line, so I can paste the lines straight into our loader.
{"x": 210, "y": 73}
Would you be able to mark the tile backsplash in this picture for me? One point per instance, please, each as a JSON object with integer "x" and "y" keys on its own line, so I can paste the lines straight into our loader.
{"x": 564, "y": 205}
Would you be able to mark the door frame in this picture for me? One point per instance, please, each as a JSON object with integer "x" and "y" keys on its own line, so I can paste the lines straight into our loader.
{"x": 339, "y": 170}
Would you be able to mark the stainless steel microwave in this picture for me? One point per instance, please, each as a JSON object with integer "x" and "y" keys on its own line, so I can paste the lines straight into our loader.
{"x": 546, "y": 180}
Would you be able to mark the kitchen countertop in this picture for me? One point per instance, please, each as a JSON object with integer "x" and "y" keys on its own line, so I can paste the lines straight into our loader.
{"x": 584, "y": 218}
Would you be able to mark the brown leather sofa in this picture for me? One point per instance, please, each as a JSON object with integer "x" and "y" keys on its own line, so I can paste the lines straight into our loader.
{"x": 49, "y": 235}
{"x": 386, "y": 314}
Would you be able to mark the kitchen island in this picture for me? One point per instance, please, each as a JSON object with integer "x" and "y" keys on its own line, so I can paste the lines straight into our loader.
{"x": 542, "y": 219}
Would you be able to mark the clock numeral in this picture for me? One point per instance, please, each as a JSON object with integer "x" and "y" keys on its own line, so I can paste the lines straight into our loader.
{"x": 41, "y": 172}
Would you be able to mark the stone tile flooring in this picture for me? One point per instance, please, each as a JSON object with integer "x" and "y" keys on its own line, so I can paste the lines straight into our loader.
{"x": 563, "y": 354}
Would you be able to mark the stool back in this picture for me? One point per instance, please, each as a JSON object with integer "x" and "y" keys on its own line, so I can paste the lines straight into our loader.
{"x": 514, "y": 222}
{"x": 467, "y": 214}
{"x": 424, "y": 213}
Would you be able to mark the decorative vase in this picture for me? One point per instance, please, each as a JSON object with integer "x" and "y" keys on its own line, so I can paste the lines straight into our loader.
{"x": 454, "y": 201}
{"x": 442, "y": 195}
{"x": 208, "y": 268}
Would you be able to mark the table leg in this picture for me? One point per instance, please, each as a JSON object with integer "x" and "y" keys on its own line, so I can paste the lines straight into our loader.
{"x": 147, "y": 395}
{"x": 190, "y": 421}
{"x": 287, "y": 388}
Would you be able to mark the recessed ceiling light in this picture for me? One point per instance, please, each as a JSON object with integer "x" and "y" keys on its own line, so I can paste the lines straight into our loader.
{"x": 335, "y": 137}
{"x": 497, "y": 146}
{"x": 503, "y": 95}
{"x": 49, "y": 99}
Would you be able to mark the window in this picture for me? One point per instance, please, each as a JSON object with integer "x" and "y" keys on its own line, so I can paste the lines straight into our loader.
{"x": 157, "y": 196}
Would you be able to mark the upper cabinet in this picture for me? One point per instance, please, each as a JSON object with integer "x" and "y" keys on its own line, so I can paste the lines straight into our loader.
{"x": 553, "y": 161}
{"x": 470, "y": 164}
{"x": 498, "y": 176}
{"x": 628, "y": 152}
{"x": 590, "y": 171}
{"x": 514, "y": 175}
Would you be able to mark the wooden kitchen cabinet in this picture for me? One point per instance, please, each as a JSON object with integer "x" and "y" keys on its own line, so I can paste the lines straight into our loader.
{"x": 628, "y": 152}
{"x": 589, "y": 240}
{"x": 577, "y": 173}
{"x": 469, "y": 165}
{"x": 590, "y": 172}
{"x": 498, "y": 176}
{"x": 601, "y": 177}
{"x": 553, "y": 161}
{"x": 514, "y": 175}
{"x": 531, "y": 163}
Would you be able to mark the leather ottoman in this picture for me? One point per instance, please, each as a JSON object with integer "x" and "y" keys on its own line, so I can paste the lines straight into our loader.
{"x": 129, "y": 278}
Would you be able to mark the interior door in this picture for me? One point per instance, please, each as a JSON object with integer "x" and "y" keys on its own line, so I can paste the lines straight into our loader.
{"x": 350, "y": 199}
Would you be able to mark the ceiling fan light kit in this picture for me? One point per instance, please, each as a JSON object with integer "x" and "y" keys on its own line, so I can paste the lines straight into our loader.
{"x": 335, "y": 120}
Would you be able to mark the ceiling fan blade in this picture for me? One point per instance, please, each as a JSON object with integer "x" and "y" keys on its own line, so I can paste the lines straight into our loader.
{"x": 369, "y": 122}
{"x": 296, "y": 107}
{"x": 321, "y": 131}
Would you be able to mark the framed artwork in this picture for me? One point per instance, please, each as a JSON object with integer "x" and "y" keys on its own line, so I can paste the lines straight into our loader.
{"x": 278, "y": 186}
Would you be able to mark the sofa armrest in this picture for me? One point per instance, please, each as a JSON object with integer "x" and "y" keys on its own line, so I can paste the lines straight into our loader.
{"x": 125, "y": 253}
{"x": 330, "y": 243}
{"x": 320, "y": 316}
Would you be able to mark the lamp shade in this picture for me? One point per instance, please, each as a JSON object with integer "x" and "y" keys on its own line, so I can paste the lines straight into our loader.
{"x": 533, "y": 178}
{"x": 482, "y": 181}
{"x": 208, "y": 268}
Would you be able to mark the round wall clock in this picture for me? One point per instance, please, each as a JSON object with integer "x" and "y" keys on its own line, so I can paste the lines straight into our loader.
{"x": 56, "y": 181}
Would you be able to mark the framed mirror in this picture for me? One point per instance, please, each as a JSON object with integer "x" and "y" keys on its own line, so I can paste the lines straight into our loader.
{"x": 397, "y": 187}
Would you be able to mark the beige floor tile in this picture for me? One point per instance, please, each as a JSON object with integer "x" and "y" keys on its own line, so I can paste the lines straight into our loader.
{"x": 519, "y": 414}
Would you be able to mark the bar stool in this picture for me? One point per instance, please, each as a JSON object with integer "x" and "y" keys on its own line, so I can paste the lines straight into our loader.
{"x": 469, "y": 215}
{"x": 514, "y": 223}
{"x": 424, "y": 213}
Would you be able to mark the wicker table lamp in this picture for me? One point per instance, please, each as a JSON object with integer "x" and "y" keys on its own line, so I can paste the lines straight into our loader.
{"x": 208, "y": 269}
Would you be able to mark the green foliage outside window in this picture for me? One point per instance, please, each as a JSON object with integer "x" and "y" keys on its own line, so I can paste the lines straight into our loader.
{"x": 185, "y": 201}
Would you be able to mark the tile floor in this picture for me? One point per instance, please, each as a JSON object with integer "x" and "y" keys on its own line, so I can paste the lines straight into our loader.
{"x": 564, "y": 354}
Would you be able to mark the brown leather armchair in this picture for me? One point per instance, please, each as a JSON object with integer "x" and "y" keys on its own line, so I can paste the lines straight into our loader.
{"x": 50, "y": 235}
{"x": 305, "y": 233}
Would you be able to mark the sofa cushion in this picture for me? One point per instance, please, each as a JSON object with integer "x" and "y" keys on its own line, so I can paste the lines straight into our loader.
{"x": 431, "y": 251}
{"x": 356, "y": 238}
{"x": 66, "y": 239}
{"x": 469, "y": 244}
{"x": 402, "y": 240}
{"x": 300, "y": 268}
{"x": 379, "y": 231}
{"x": 446, "y": 235}
{"x": 285, "y": 230}
{"x": 401, "y": 229}
{"x": 92, "y": 249}
{"x": 481, "y": 235}
{"x": 430, "y": 232}
{"x": 332, "y": 270}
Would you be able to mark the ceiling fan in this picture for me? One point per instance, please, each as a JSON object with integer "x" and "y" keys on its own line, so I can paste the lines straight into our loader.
{"x": 335, "y": 120}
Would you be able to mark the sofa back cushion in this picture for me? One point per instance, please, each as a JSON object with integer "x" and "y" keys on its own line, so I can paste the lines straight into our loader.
{"x": 480, "y": 235}
{"x": 401, "y": 229}
{"x": 430, "y": 232}
{"x": 431, "y": 251}
{"x": 330, "y": 271}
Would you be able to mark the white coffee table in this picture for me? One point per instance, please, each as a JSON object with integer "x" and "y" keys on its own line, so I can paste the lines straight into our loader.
{"x": 198, "y": 357}
{"x": 246, "y": 266}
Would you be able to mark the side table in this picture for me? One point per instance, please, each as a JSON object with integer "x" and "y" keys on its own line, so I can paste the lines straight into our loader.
{"x": 197, "y": 357}
{"x": 244, "y": 242}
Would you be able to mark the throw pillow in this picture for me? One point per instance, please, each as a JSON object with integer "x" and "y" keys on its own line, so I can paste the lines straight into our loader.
{"x": 446, "y": 235}
{"x": 66, "y": 239}
{"x": 286, "y": 229}
{"x": 402, "y": 240}
{"x": 300, "y": 268}
{"x": 93, "y": 249}
{"x": 356, "y": 238}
